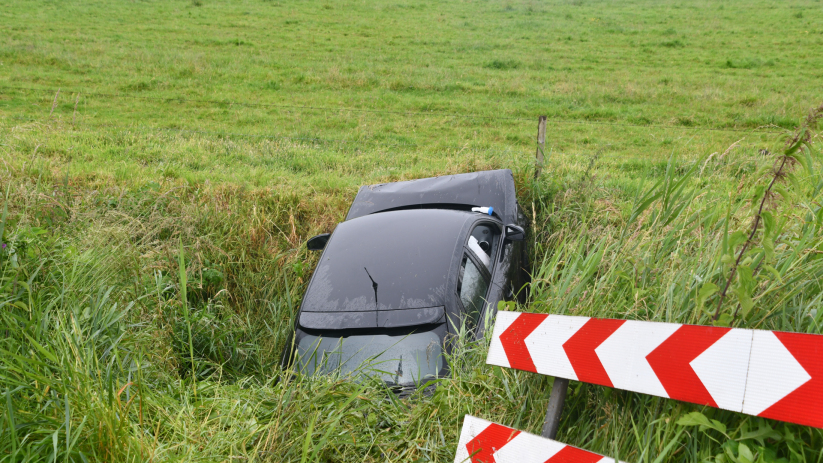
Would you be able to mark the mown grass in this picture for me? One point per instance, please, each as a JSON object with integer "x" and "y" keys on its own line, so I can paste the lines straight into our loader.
{"x": 181, "y": 66}
{"x": 157, "y": 166}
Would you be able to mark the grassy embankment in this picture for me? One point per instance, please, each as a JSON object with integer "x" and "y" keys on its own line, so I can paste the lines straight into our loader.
{"x": 195, "y": 125}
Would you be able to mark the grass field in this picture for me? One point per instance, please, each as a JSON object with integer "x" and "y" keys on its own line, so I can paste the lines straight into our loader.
{"x": 139, "y": 136}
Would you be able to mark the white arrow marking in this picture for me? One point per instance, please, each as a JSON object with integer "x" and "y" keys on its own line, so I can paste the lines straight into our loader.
{"x": 623, "y": 355}
{"x": 523, "y": 448}
{"x": 545, "y": 345}
{"x": 497, "y": 356}
{"x": 773, "y": 373}
{"x": 722, "y": 368}
{"x": 527, "y": 448}
{"x": 471, "y": 428}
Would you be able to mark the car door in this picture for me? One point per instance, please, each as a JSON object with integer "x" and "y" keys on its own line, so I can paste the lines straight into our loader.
{"x": 474, "y": 282}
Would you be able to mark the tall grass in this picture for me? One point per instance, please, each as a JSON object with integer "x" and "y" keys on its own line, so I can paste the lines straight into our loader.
{"x": 682, "y": 239}
{"x": 99, "y": 361}
{"x": 153, "y": 234}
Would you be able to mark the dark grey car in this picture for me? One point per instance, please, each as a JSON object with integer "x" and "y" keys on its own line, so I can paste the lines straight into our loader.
{"x": 410, "y": 266}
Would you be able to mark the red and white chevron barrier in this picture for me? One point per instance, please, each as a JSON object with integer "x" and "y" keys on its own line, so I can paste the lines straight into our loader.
{"x": 482, "y": 441}
{"x": 763, "y": 373}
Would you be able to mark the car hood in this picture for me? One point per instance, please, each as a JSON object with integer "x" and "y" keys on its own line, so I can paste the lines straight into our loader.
{"x": 387, "y": 269}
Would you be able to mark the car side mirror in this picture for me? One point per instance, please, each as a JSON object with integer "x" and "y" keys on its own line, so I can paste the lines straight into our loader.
{"x": 318, "y": 242}
{"x": 514, "y": 233}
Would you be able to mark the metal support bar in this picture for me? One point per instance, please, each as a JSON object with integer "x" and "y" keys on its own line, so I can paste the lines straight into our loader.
{"x": 556, "y": 401}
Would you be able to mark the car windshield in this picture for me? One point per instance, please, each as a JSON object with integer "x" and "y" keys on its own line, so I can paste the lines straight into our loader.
{"x": 395, "y": 359}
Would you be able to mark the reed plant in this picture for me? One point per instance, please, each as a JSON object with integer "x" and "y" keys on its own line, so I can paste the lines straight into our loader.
{"x": 151, "y": 240}
{"x": 100, "y": 361}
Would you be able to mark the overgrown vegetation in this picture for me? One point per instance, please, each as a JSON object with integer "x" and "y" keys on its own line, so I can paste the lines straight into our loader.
{"x": 152, "y": 231}
{"x": 96, "y": 353}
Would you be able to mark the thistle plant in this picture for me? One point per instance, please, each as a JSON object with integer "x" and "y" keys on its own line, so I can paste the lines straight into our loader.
{"x": 750, "y": 259}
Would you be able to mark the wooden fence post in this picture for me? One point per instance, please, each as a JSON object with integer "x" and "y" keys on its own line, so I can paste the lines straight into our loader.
{"x": 541, "y": 145}
{"x": 561, "y": 385}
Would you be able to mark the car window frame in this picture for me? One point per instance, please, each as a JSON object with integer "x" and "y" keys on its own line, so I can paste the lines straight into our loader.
{"x": 497, "y": 256}
{"x": 484, "y": 273}
{"x": 497, "y": 250}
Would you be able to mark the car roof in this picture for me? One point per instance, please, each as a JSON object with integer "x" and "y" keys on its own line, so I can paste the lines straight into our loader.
{"x": 493, "y": 188}
{"x": 407, "y": 253}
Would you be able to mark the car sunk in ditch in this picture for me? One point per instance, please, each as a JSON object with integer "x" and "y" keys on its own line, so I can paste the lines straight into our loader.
{"x": 412, "y": 265}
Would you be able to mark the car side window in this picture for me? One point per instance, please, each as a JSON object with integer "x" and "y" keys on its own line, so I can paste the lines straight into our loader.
{"x": 483, "y": 243}
{"x": 472, "y": 285}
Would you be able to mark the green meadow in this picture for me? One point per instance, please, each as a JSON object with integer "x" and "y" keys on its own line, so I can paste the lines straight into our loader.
{"x": 163, "y": 164}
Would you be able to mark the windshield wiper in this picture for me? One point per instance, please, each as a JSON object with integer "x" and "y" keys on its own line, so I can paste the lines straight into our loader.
{"x": 399, "y": 372}
{"x": 376, "y": 306}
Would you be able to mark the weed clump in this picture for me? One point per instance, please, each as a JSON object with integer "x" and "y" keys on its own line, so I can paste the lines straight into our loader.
{"x": 676, "y": 43}
{"x": 748, "y": 63}
{"x": 502, "y": 64}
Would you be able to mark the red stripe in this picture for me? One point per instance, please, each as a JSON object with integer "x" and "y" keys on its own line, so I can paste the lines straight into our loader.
{"x": 804, "y": 405}
{"x": 670, "y": 362}
{"x": 513, "y": 340}
{"x": 493, "y": 438}
{"x": 580, "y": 350}
{"x": 569, "y": 454}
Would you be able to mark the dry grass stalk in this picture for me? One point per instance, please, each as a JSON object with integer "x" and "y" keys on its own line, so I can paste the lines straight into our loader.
{"x": 54, "y": 103}
{"x": 74, "y": 115}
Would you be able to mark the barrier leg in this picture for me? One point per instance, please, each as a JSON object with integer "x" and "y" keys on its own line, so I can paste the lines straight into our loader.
{"x": 556, "y": 401}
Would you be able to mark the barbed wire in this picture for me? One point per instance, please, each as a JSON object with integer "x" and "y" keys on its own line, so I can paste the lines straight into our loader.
{"x": 222, "y": 134}
{"x": 354, "y": 144}
{"x": 265, "y": 105}
{"x": 399, "y": 112}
